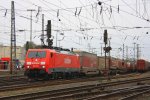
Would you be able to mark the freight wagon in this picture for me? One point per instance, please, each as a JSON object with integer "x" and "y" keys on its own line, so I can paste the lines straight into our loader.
{"x": 142, "y": 65}
{"x": 101, "y": 64}
{"x": 88, "y": 63}
{"x": 131, "y": 66}
{"x": 113, "y": 65}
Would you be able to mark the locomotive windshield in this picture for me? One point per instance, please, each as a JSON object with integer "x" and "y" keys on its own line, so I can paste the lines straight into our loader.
{"x": 37, "y": 54}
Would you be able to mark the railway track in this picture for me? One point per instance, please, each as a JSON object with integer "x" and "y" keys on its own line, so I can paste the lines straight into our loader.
{"x": 135, "y": 95}
{"x": 121, "y": 94}
{"x": 83, "y": 92}
{"x": 12, "y": 80}
{"x": 24, "y": 83}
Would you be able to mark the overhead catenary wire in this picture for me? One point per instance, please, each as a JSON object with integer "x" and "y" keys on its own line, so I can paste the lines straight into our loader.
{"x": 72, "y": 14}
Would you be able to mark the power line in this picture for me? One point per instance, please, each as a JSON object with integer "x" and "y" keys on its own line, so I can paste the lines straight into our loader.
{"x": 127, "y": 12}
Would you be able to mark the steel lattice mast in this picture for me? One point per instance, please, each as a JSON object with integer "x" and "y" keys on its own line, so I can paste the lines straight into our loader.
{"x": 13, "y": 37}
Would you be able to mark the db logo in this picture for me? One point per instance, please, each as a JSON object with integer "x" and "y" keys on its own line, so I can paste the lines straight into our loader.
{"x": 67, "y": 61}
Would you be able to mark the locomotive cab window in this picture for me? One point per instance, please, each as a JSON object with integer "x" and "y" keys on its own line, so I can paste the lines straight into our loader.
{"x": 37, "y": 54}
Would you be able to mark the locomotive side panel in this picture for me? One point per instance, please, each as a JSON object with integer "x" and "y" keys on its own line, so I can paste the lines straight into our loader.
{"x": 65, "y": 63}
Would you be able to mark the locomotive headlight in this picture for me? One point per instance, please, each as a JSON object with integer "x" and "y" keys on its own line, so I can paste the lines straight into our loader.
{"x": 28, "y": 66}
{"x": 43, "y": 66}
{"x": 28, "y": 63}
{"x": 42, "y": 63}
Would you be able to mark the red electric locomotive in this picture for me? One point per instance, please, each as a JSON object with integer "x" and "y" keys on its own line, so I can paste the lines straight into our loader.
{"x": 51, "y": 63}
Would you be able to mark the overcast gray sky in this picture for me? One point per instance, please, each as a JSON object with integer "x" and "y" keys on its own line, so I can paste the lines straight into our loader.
{"x": 83, "y": 23}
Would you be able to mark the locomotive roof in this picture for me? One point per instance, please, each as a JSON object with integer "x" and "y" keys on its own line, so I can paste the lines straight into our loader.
{"x": 54, "y": 51}
{"x": 42, "y": 50}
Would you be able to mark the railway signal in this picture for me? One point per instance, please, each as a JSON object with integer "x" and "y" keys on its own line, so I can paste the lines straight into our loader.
{"x": 105, "y": 41}
{"x": 27, "y": 45}
{"x": 105, "y": 36}
{"x": 107, "y": 49}
{"x": 49, "y": 40}
{"x": 49, "y": 29}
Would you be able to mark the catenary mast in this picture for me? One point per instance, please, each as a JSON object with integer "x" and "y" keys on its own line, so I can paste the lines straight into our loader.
{"x": 13, "y": 37}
